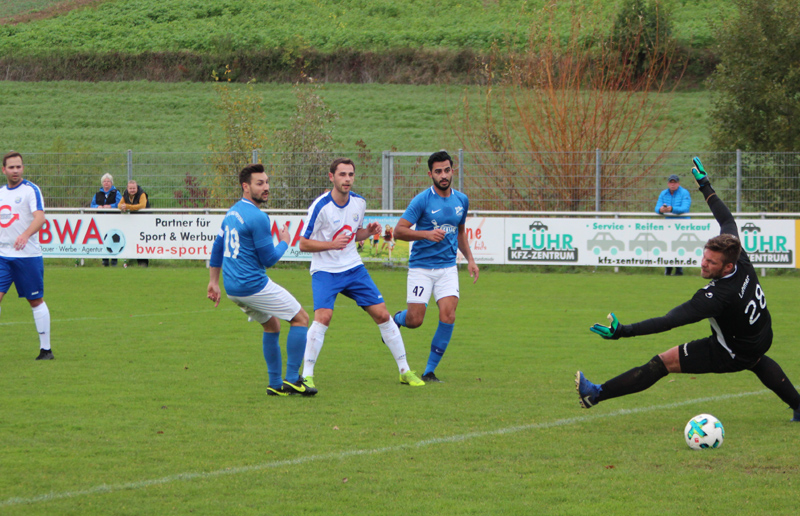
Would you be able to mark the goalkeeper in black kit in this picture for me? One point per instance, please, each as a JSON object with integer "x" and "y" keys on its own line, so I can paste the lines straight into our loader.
{"x": 733, "y": 302}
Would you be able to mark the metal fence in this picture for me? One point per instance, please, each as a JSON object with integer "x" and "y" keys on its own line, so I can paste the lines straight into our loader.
{"x": 578, "y": 181}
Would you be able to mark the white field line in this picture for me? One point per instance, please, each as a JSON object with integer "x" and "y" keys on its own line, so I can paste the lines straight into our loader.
{"x": 118, "y": 316}
{"x": 130, "y": 486}
{"x": 223, "y": 308}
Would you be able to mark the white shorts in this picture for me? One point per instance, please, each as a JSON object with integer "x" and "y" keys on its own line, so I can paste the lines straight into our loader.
{"x": 272, "y": 301}
{"x": 424, "y": 282}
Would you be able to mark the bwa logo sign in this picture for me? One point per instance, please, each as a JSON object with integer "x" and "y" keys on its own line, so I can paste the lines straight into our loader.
{"x": 64, "y": 235}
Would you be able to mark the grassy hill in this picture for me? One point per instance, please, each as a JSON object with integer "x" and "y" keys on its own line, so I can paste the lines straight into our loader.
{"x": 133, "y": 26}
{"x": 349, "y": 41}
{"x": 161, "y": 117}
{"x": 406, "y": 41}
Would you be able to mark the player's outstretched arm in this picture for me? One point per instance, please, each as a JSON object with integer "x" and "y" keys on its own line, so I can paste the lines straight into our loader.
{"x": 722, "y": 213}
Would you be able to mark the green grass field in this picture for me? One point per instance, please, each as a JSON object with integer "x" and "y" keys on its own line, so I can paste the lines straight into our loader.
{"x": 155, "y": 404}
{"x": 175, "y": 117}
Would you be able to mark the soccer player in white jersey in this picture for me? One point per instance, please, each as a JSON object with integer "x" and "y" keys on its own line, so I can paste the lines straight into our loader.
{"x": 243, "y": 249}
{"x": 335, "y": 224}
{"x": 438, "y": 215}
{"x": 21, "y": 262}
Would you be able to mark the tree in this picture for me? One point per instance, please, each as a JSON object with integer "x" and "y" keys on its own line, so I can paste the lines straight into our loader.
{"x": 234, "y": 137}
{"x": 644, "y": 29}
{"x": 307, "y": 144}
{"x": 757, "y": 83}
{"x": 756, "y": 107}
{"x": 544, "y": 114}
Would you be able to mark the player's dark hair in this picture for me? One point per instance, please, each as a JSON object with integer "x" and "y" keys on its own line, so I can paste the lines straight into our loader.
{"x": 339, "y": 161}
{"x": 439, "y": 156}
{"x": 249, "y": 170}
{"x": 12, "y": 154}
{"x": 728, "y": 245}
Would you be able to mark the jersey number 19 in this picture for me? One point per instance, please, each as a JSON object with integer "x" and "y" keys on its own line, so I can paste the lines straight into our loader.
{"x": 232, "y": 243}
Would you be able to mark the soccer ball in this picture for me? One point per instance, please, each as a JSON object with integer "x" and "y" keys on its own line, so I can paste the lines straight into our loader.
{"x": 114, "y": 241}
{"x": 704, "y": 431}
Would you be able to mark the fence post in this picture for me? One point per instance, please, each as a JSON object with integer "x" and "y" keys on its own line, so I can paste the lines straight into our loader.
{"x": 130, "y": 164}
{"x": 597, "y": 171}
{"x": 461, "y": 170}
{"x": 385, "y": 180}
{"x": 255, "y": 156}
{"x": 738, "y": 180}
{"x": 391, "y": 181}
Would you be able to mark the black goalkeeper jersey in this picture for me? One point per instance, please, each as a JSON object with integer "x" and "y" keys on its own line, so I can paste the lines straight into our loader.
{"x": 735, "y": 305}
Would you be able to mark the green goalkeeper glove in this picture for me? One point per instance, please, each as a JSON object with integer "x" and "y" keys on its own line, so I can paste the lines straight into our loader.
{"x": 699, "y": 173}
{"x": 611, "y": 332}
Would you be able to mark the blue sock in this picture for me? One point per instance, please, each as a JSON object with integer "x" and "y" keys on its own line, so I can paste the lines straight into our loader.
{"x": 295, "y": 349}
{"x": 400, "y": 318}
{"x": 272, "y": 354}
{"x": 438, "y": 345}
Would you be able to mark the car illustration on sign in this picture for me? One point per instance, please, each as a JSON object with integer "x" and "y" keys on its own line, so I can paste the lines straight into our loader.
{"x": 750, "y": 227}
{"x": 538, "y": 224}
{"x": 647, "y": 242}
{"x": 688, "y": 243}
{"x": 605, "y": 241}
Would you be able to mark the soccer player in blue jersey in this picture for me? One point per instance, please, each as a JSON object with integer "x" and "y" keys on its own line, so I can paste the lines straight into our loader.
{"x": 21, "y": 262}
{"x": 438, "y": 215}
{"x": 242, "y": 250}
{"x": 335, "y": 224}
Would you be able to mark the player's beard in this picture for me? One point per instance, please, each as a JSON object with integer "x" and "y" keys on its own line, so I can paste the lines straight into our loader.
{"x": 439, "y": 187}
{"x": 264, "y": 198}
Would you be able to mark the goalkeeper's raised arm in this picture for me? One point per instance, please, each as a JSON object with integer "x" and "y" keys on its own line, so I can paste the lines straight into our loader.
{"x": 727, "y": 224}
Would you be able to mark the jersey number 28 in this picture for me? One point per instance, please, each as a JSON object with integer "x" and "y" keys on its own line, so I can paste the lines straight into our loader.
{"x": 752, "y": 308}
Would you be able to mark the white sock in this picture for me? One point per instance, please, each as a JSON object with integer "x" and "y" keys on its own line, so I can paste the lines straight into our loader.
{"x": 394, "y": 341}
{"x": 314, "y": 340}
{"x": 41, "y": 316}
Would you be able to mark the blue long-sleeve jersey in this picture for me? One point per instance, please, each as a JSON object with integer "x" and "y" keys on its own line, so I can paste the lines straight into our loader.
{"x": 244, "y": 249}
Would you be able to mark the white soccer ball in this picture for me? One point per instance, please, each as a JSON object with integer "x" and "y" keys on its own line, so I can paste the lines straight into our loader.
{"x": 114, "y": 241}
{"x": 704, "y": 431}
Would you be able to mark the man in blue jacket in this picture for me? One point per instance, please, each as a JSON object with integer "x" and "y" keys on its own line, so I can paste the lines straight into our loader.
{"x": 674, "y": 201}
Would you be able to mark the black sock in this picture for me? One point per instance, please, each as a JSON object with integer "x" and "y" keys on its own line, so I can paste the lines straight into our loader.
{"x": 635, "y": 380}
{"x": 771, "y": 375}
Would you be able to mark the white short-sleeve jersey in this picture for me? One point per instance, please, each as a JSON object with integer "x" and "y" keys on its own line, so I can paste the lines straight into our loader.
{"x": 17, "y": 206}
{"x": 326, "y": 220}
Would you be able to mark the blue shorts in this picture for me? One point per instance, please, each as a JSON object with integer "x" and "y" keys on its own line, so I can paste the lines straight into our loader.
{"x": 27, "y": 274}
{"x": 355, "y": 284}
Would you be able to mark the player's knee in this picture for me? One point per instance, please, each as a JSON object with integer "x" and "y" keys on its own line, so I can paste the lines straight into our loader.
{"x": 665, "y": 363}
{"x": 272, "y": 326}
{"x": 413, "y": 320}
{"x": 381, "y": 318}
{"x": 323, "y": 318}
{"x": 300, "y": 319}
{"x": 448, "y": 318}
{"x": 34, "y": 302}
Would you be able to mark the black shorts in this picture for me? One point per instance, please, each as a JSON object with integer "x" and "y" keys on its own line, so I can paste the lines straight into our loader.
{"x": 708, "y": 356}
